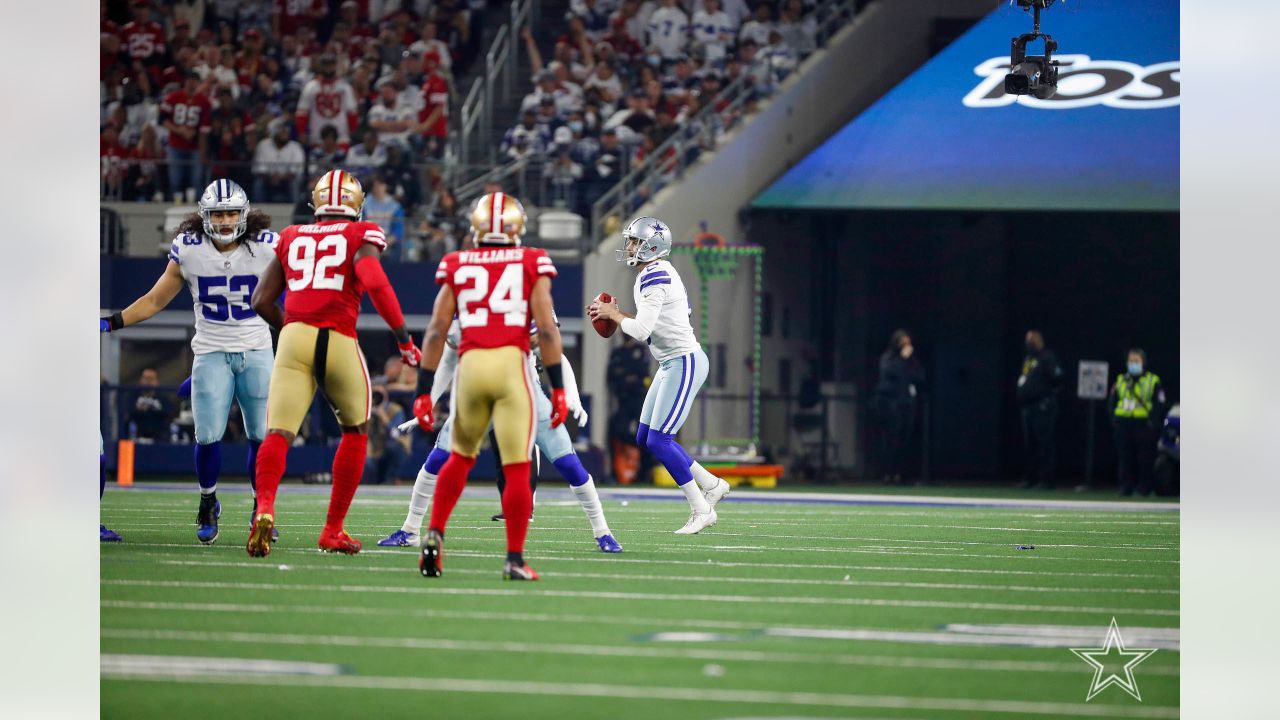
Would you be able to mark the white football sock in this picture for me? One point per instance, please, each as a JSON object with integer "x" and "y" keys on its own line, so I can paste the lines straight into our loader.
{"x": 423, "y": 489}
{"x": 209, "y": 490}
{"x": 694, "y": 493}
{"x": 590, "y": 501}
{"x": 703, "y": 476}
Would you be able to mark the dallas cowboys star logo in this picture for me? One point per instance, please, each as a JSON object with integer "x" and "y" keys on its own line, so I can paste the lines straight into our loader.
{"x": 1121, "y": 661}
{"x": 658, "y": 227}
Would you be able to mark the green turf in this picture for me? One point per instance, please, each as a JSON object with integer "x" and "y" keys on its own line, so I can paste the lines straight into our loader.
{"x": 580, "y": 642}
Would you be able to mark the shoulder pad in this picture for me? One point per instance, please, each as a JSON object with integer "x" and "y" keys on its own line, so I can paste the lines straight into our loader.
{"x": 188, "y": 239}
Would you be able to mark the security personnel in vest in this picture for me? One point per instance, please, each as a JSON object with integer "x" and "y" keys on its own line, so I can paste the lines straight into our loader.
{"x": 1038, "y": 388}
{"x": 1137, "y": 405}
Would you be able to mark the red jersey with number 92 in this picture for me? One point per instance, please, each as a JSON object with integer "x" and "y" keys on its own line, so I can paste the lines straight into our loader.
{"x": 319, "y": 271}
{"x": 492, "y": 286}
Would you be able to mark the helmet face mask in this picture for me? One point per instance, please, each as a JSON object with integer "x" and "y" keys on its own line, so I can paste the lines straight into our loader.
{"x": 223, "y": 196}
{"x": 497, "y": 219}
{"x": 645, "y": 239}
{"x": 338, "y": 192}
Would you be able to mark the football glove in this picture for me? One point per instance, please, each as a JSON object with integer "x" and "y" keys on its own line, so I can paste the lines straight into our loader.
{"x": 423, "y": 410}
{"x": 410, "y": 353}
{"x": 559, "y": 407}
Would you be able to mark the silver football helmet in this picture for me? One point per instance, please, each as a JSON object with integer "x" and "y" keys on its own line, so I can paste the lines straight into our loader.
{"x": 653, "y": 241}
{"x": 224, "y": 195}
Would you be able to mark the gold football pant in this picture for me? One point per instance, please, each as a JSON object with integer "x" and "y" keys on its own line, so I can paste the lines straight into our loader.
{"x": 493, "y": 385}
{"x": 305, "y": 353}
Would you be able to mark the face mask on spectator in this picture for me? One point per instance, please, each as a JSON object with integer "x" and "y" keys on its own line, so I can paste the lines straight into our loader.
{"x": 653, "y": 60}
{"x": 575, "y": 125}
{"x": 1135, "y": 368}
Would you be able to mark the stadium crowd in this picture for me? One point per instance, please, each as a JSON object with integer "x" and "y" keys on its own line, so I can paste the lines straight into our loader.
{"x": 271, "y": 93}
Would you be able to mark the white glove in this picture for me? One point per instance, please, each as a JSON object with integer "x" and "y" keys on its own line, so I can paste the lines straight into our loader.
{"x": 579, "y": 414}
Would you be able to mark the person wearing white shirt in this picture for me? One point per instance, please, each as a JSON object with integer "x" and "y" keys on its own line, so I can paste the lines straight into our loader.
{"x": 737, "y": 10}
{"x": 393, "y": 119}
{"x": 758, "y": 29}
{"x": 713, "y": 31}
{"x": 669, "y": 30}
{"x": 277, "y": 165}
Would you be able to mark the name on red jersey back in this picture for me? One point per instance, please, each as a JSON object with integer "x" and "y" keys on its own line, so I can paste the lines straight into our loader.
{"x": 319, "y": 271}
{"x": 492, "y": 286}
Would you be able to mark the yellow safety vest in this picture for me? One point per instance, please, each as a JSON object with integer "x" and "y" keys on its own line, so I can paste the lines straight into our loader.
{"x": 1134, "y": 399}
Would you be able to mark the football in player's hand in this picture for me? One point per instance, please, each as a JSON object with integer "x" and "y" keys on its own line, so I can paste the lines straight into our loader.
{"x": 604, "y": 326}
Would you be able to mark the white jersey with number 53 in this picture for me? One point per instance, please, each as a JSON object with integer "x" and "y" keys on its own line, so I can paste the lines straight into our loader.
{"x": 221, "y": 287}
{"x": 492, "y": 286}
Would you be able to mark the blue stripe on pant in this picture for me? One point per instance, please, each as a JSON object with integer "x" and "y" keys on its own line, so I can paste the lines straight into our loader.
{"x": 666, "y": 408}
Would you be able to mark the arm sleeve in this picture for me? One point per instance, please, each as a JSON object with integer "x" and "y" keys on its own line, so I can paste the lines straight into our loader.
{"x": 570, "y": 383}
{"x": 371, "y": 275}
{"x": 444, "y": 373}
{"x": 647, "y": 306}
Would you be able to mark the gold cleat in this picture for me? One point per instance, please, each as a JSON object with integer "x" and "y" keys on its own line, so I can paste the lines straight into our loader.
{"x": 259, "y": 544}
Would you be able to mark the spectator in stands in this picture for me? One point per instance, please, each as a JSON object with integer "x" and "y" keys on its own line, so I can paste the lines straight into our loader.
{"x": 757, "y": 68}
{"x": 388, "y": 447}
{"x": 798, "y": 32}
{"x": 624, "y": 46}
{"x": 606, "y": 82}
{"x": 636, "y": 115}
{"x": 737, "y": 10}
{"x": 328, "y": 154}
{"x": 528, "y": 127}
{"x": 594, "y": 18}
{"x": 185, "y": 114}
{"x": 150, "y": 411}
{"x": 288, "y": 16}
{"x": 521, "y": 145}
{"x": 665, "y": 125}
{"x": 758, "y": 29}
{"x": 143, "y": 38}
{"x": 668, "y": 30}
{"x": 145, "y": 178}
{"x": 367, "y": 158}
{"x": 402, "y": 178}
{"x": 630, "y": 18}
{"x": 680, "y": 80}
{"x": 327, "y": 101}
{"x": 546, "y": 121}
{"x": 781, "y": 57}
{"x": 714, "y": 31}
{"x": 430, "y": 42}
{"x": 381, "y": 208}
{"x": 114, "y": 156}
{"x": 278, "y": 163}
{"x": 434, "y": 117}
{"x": 546, "y": 88}
{"x": 391, "y": 119}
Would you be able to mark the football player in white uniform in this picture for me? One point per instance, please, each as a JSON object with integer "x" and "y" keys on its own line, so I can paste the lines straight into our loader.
{"x": 553, "y": 443}
{"x": 219, "y": 253}
{"x": 662, "y": 320}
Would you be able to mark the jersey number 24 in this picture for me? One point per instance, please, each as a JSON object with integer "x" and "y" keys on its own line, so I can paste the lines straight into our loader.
{"x": 507, "y": 298}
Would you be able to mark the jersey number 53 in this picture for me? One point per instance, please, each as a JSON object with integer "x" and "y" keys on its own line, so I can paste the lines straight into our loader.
{"x": 507, "y": 298}
{"x": 317, "y": 263}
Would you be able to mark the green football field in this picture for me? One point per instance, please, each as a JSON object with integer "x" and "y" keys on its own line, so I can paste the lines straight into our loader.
{"x": 814, "y": 607}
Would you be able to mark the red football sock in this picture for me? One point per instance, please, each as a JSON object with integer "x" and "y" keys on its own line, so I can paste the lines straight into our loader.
{"x": 449, "y": 485}
{"x": 517, "y": 504}
{"x": 269, "y": 469}
{"x": 348, "y": 468}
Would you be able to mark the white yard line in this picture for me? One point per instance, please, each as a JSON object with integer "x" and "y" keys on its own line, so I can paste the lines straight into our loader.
{"x": 550, "y": 555}
{"x": 437, "y": 589}
{"x": 630, "y": 650}
{"x": 682, "y": 578}
{"x": 642, "y": 692}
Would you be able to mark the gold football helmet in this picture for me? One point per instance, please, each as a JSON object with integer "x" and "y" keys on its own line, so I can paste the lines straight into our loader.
{"x": 338, "y": 192}
{"x": 497, "y": 218}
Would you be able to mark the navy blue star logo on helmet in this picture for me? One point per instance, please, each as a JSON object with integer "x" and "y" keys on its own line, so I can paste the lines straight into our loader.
{"x": 657, "y": 227}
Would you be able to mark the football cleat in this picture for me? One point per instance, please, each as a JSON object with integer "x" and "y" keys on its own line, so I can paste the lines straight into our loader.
{"x": 698, "y": 522}
{"x": 399, "y": 538}
{"x": 431, "y": 561}
{"x": 105, "y": 535}
{"x": 717, "y": 493}
{"x": 259, "y": 544}
{"x": 275, "y": 531}
{"x": 338, "y": 542}
{"x": 498, "y": 517}
{"x": 207, "y": 519}
{"x": 608, "y": 544}
{"x": 512, "y": 571}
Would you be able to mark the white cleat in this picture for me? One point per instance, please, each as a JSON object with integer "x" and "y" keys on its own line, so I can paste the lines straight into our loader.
{"x": 698, "y": 522}
{"x": 717, "y": 493}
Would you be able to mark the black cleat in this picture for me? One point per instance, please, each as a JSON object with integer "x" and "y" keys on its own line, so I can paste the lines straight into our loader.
{"x": 512, "y": 571}
{"x": 498, "y": 517}
{"x": 431, "y": 561}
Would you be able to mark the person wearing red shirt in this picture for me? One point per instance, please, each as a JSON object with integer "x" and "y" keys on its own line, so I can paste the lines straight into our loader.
{"x": 185, "y": 114}
{"x": 495, "y": 290}
{"x": 143, "y": 38}
{"x": 433, "y": 120}
{"x": 289, "y": 15}
{"x": 327, "y": 266}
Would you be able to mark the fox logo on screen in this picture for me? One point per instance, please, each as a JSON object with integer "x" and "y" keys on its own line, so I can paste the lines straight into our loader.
{"x": 1084, "y": 82}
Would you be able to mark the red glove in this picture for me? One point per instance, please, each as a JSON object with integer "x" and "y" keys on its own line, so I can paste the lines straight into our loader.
{"x": 423, "y": 410}
{"x": 410, "y": 354}
{"x": 559, "y": 408}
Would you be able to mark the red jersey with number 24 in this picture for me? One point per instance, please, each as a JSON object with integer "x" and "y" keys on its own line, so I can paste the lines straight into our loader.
{"x": 492, "y": 286}
{"x": 320, "y": 274}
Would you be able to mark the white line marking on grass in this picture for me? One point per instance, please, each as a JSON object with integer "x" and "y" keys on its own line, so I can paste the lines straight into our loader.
{"x": 698, "y": 694}
{"x": 1048, "y": 636}
{"x": 177, "y": 666}
{"x": 549, "y": 555}
{"x": 635, "y": 596}
{"x": 630, "y": 650}
{"x": 694, "y": 578}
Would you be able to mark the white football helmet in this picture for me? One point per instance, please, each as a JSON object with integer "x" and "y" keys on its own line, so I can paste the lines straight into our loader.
{"x": 219, "y": 196}
{"x": 653, "y": 241}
